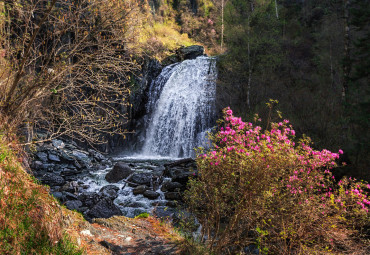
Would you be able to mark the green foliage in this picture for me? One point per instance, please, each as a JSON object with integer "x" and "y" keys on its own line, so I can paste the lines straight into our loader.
{"x": 142, "y": 215}
{"x": 162, "y": 39}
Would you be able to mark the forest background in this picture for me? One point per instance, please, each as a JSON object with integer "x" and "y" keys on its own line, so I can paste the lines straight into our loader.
{"x": 310, "y": 55}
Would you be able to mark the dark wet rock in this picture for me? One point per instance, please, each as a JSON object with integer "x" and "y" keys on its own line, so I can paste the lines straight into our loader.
{"x": 105, "y": 208}
{"x": 54, "y": 157}
{"x": 172, "y": 186}
{"x": 109, "y": 191}
{"x": 58, "y": 144}
{"x": 171, "y": 60}
{"x": 136, "y": 204}
{"x": 179, "y": 167}
{"x": 141, "y": 178}
{"x": 96, "y": 155}
{"x": 48, "y": 167}
{"x": 159, "y": 203}
{"x": 69, "y": 172}
{"x": 172, "y": 196}
{"x": 37, "y": 165}
{"x": 43, "y": 156}
{"x": 70, "y": 187}
{"x": 164, "y": 212}
{"x": 71, "y": 145}
{"x": 59, "y": 195}
{"x": 186, "y": 162}
{"x": 82, "y": 157}
{"x": 76, "y": 164}
{"x": 73, "y": 204}
{"x": 151, "y": 194}
{"x": 83, "y": 209}
{"x": 55, "y": 189}
{"x": 183, "y": 178}
{"x": 66, "y": 156}
{"x": 139, "y": 189}
{"x": 52, "y": 179}
{"x": 70, "y": 196}
{"x": 89, "y": 198}
{"x": 172, "y": 204}
{"x": 191, "y": 52}
{"x": 119, "y": 172}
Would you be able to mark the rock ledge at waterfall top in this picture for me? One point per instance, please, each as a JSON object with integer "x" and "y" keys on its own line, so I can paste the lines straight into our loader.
{"x": 184, "y": 53}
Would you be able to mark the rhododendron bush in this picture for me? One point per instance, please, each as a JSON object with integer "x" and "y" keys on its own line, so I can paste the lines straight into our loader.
{"x": 268, "y": 189}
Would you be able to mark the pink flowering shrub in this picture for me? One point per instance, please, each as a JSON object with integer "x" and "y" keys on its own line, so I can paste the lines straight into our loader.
{"x": 263, "y": 188}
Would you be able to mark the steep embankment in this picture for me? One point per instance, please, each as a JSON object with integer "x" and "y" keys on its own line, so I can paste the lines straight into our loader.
{"x": 33, "y": 222}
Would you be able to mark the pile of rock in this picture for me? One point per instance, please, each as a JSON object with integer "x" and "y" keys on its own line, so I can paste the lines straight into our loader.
{"x": 61, "y": 164}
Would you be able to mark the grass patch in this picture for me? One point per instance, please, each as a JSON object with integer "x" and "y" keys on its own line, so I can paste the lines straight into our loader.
{"x": 142, "y": 215}
{"x": 30, "y": 219}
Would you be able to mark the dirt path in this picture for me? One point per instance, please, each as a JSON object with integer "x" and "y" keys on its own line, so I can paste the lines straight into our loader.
{"x": 121, "y": 235}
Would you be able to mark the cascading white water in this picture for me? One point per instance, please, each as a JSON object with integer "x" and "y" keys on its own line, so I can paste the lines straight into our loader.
{"x": 181, "y": 107}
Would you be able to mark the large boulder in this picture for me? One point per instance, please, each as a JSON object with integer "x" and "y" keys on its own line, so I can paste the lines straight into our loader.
{"x": 151, "y": 194}
{"x": 119, "y": 172}
{"x": 139, "y": 189}
{"x": 105, "y": 208}
{"x": 141, "y": 178}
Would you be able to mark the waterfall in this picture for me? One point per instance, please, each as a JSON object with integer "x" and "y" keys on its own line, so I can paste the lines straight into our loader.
{"x": 181, "y": 108}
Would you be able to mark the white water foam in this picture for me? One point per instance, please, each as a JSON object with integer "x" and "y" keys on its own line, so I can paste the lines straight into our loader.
{"x": 181, "y": 106}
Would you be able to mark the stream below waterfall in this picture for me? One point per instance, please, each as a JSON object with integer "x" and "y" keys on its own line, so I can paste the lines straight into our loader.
{"x": 132, "y": 205}
{"x": 180, "y": 111}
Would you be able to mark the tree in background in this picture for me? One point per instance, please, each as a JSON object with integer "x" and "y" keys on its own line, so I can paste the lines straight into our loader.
{"x": 68, "y": 66}
{"x": 357, "y": 105}
{"x": 301, "y": 54}
{"x": 253, "y": 45}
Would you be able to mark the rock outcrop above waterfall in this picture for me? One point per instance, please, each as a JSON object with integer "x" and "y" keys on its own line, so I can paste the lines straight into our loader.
{"x": 191, "y": 52}
{"x": 184, "y": 53}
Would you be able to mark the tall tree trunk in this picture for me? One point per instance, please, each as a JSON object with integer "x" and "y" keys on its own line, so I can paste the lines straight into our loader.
{"x": 222, "y": 23}
{"x": 346, "y": 62}
{"x": 276, "y": 10}
{"x": 249, "y": 70}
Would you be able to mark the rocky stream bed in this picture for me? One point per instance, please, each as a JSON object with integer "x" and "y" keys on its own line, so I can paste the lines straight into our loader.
{"x": 100, "y": 187}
